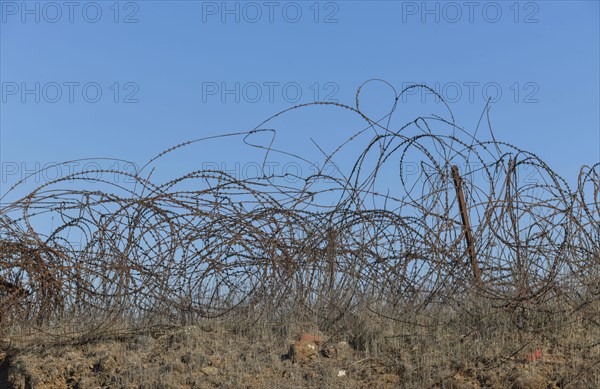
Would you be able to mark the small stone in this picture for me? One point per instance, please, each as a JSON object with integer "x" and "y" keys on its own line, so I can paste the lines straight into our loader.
{"x": 303, "y": 351}
{"x": 391, "y": 378}
{"x": 329, "y": 351}
{"x": 209, "y": 370}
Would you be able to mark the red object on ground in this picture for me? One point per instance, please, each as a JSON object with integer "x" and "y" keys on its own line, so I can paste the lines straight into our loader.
{"x": 535, "y": 356}
{"x": 305, "y": 337}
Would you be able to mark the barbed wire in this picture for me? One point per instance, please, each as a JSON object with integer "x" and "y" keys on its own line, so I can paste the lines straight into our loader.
{"x": 207, "y": 242}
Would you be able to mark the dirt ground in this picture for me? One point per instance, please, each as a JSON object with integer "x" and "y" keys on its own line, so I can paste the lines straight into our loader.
{"x": 215, "y": 357}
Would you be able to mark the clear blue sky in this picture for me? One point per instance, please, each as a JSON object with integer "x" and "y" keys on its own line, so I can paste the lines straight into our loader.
{"x": 161, "y": 67}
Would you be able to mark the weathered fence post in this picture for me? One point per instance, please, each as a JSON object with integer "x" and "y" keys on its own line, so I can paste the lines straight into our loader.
{"x": 466, "y": 224}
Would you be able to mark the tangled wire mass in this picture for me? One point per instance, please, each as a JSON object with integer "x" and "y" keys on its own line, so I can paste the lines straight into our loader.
{"x": 206, "y": 243}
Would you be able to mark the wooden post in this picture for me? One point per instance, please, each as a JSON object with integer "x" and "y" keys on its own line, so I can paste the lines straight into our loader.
{"x": 466, "y": 224}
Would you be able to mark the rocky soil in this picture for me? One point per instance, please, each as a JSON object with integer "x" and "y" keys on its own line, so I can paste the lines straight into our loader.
{"x": 204, "y": 357}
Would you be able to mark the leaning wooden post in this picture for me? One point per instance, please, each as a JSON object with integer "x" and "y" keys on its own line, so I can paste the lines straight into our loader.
{"x": 466, "y": 225}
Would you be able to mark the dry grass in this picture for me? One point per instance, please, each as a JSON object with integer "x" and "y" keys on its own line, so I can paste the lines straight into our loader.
{"x": 478, "y": 347}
